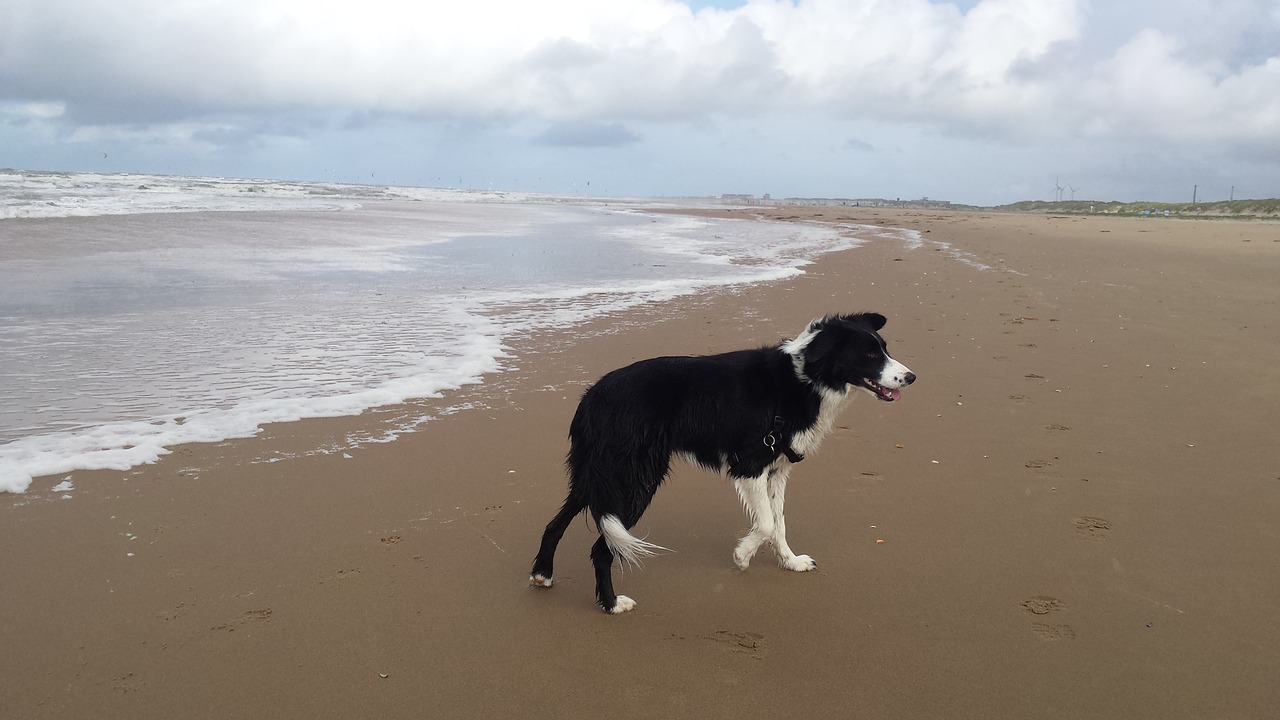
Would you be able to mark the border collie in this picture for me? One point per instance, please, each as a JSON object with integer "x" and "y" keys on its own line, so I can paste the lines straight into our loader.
{"x": 749, "y": 415}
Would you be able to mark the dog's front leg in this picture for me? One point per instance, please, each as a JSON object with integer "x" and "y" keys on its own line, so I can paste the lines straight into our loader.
{"x": 777, "y": 486}
{"x": 754, "y": 494}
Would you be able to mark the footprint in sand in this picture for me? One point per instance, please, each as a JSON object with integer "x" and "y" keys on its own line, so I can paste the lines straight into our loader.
{"x": 1042, "y": 605}
{"x": 1038, "y": 464}
{"x": 246, "y": 617}
{"x": 747, "y": 643}
{"x": 1057, "y": 428}
{"x": 344, "y": 574}
{"x": 1045, "y": 605}
{"x": 1092, "y": 528}
{"x": 390, "y": 540}
{"x": 1050, "y": 633}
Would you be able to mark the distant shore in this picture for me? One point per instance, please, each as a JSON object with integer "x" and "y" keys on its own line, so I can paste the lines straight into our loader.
{"x": 1259, "y": 209}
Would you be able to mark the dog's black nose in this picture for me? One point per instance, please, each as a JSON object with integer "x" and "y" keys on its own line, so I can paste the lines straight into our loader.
{"x": 909, "y": 378}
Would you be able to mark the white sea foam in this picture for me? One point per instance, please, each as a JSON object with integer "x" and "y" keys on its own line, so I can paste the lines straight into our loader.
{"x": 25, "y": 194}
{"x": 122, "y": 445}
{"x": 129, "y": 325}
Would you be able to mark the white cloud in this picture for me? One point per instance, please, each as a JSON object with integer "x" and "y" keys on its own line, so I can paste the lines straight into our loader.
{"x": 624, "y": 59}
{"x": 1151, "y": 87}
{"x": 20, "y": 111}
{"x": 1008, "y": 71}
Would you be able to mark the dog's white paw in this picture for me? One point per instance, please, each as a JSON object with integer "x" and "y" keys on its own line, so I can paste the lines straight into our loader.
{"x": 742, "y": 558}
{"x": 622, "y": 605}
{"x": 539, "y": 581}
{"x": 800, "y": 563}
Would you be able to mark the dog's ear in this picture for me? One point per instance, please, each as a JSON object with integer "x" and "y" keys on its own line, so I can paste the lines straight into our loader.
{"x": 819, "y": 353}
{"x": 875, "y": 320}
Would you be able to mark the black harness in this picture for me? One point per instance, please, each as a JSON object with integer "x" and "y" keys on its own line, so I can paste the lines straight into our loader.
{"x": 755, "y": 456}
{"x": 773, "y": 437}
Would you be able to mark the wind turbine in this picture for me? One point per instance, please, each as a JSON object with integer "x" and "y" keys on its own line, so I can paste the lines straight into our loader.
{"x": 1057, "y": 190}
{"x": 1073, "y": 192}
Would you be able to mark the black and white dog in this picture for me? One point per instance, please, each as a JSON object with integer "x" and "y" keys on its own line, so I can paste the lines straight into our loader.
{"x": 749, "y": 415}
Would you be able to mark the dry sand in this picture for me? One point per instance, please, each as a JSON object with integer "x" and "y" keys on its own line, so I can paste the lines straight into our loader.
{"x": 1079, "y": 502}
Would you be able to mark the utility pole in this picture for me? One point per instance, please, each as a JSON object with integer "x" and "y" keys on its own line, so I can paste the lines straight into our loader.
{"x": 1233, "y": 192}
{"x": 1194, "y": 190}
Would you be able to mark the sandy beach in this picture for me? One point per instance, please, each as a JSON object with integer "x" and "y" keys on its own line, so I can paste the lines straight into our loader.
{"x": 1079, "y": 503}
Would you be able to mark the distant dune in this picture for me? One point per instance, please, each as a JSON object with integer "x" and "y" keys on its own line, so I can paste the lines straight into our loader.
{"x": 1264, "y": 209}
{"x": 1236, "y": 209}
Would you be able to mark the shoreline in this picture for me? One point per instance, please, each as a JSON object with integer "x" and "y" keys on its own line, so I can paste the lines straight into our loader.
{"x": 1078, "y": 520}
{"x": 374, "y": 339}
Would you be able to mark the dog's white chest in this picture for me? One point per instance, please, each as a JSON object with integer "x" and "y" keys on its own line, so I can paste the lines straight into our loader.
{"x": 832, "y": 403}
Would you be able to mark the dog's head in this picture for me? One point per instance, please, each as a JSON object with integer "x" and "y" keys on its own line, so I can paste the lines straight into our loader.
{"x": 843, "y": 351}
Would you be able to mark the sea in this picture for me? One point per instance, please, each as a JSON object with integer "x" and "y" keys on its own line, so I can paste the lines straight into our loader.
{"x": 139, "y": 312}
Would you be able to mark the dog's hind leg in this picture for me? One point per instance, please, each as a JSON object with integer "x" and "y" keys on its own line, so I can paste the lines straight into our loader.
{"x": 602, "y": 559}
{"x": 540, "y": 575}
{"x": 777, "y": 497}
{"x": 755, "y": 500}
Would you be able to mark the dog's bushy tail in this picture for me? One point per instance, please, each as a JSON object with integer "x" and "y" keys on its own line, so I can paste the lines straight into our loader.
{"x": 624, "y": 545}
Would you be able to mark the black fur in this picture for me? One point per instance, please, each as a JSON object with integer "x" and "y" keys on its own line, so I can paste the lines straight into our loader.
{"x": 716, "y": 410}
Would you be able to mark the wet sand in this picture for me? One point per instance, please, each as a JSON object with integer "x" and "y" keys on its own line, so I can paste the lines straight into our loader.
{"x": 1079, "y": 502}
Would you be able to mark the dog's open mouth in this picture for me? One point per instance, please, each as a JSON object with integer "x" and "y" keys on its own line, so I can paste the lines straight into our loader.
{"x": 880, "y": 391}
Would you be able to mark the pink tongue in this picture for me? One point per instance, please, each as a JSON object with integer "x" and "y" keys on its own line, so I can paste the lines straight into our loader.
{"x": 894, "y": 394}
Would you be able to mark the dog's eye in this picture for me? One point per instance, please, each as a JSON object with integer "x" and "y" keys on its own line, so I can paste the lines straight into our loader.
{"x": 872, "y": 355}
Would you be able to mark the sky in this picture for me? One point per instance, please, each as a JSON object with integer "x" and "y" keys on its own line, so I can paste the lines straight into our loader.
{"x": 978, "y": 102}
